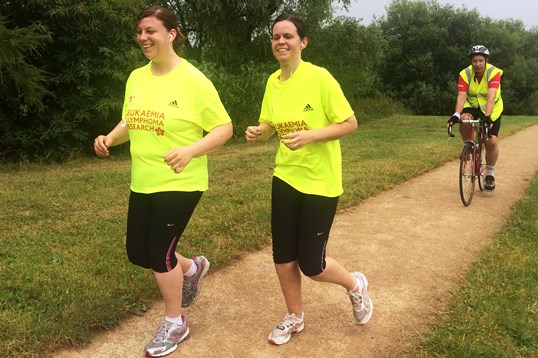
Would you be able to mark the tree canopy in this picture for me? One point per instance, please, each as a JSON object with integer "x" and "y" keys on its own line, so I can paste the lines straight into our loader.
{"x": 427, "y": 45}
{"x": 230, "y": 33}
{"x": 64, "y": 64}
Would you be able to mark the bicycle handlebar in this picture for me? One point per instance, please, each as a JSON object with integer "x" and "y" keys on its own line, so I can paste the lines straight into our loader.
{"x": 481, "y": 121}
{"x": 450, "y": 134}
{"x": 471, "y": 121}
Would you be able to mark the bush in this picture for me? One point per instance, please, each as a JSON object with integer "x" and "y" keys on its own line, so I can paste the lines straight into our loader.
{"x": 85, "y": 65}
{"x": 372, "y": 108}
{"x": 241, "y": 92}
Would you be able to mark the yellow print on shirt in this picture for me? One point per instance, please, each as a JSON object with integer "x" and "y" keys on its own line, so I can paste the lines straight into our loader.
{"x": 142, "y": 120}
{"x": 284, "y": 128}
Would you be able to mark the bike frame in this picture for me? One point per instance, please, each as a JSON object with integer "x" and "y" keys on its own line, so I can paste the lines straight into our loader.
{"x": 472, "y": 159}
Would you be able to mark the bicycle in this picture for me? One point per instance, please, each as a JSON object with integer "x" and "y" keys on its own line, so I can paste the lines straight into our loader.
{"x": 472, "y": 159}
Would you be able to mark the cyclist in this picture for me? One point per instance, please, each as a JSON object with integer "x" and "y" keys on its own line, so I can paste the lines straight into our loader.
{"x": 479, "y": 96}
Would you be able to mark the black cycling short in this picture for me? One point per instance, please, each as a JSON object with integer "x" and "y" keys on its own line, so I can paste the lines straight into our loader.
{"x": 300, "y": 225}
{"x": 477, "y": 113}
{"x": 155, "y": 222}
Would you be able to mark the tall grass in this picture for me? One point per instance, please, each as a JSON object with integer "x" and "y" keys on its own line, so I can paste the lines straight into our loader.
{"x": 63, "y": 268}
{"x": 495, "y": 314}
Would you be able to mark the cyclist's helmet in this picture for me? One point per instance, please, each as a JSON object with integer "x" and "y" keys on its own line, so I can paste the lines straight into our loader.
{"x": 478, "y": 50}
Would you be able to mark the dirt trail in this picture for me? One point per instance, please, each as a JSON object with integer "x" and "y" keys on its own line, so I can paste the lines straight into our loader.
{"x": 414, "y": 243}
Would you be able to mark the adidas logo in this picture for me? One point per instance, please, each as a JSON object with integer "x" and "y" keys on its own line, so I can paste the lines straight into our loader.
{"x": 173, "y": 104}
{"x": 307, "y": 108}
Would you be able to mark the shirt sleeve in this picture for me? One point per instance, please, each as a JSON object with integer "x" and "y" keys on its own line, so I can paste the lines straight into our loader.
{"x": 495, "y": 82}
{"x": 335, "y": 103}
{"x": 462, "y": 85}
{"x": 213, "y": 113}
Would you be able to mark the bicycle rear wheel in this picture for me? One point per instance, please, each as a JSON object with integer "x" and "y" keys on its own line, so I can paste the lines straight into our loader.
{"x": 466, "y": 174}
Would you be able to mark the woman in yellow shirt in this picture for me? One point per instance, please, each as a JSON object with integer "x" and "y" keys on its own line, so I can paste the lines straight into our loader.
{"x": 307, "y": 109}
{"x": 168, "y": 105}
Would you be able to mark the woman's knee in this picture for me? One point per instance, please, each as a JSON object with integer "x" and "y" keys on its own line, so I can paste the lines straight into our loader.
{"x": 138, "y": 259}
{"x": 311, "y": 268}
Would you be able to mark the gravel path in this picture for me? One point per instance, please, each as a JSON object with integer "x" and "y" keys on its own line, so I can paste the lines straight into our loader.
{"x": 414, "y": 243}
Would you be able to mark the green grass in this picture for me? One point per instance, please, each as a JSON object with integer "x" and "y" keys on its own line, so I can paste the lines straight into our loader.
{"x": 495, "y": 313}
{"x": 63, "y": 268}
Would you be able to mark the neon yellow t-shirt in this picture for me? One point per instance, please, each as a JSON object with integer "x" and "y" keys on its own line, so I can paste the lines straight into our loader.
{"x": 310, "y": 99}
{"x": 164, "y": 112}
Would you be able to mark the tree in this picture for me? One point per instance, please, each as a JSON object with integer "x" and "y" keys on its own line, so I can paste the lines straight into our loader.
{"x": 425, "y": 51}
{"x": 79, "y": 76}
{"x": 86, "y": 62}
{"x": 515, "y": 50}
{"x": 22, "y": 84}
{"x": 230, "y": 33}
{"x": 427, "y": 45}
{"x": 351, "y": 52}
{"x": 16, "y": 73}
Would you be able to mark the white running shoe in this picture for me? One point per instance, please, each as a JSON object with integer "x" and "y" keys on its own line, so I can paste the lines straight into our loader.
{"x": 361, "y": 302}
{"x": 191, "y": 285}
{"x": 283, "y": 331}
{"x": 167, "y": 338}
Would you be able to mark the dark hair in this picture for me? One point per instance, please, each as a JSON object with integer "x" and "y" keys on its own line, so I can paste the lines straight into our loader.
{"x": 296, "y": 20}
{"x": 168, "y": 20}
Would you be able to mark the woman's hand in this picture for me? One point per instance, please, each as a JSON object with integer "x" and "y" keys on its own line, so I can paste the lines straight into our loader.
{"x": 294, "y": 141}
{"x": 101, "y": 145}
{"x": 334, "y": 131}
{"x": 252, "y": 133}
{"x": 178, "y": 158}
{"x": 119, "y": 135}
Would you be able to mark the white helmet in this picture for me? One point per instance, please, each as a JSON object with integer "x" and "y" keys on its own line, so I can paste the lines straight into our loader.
{"x": 478, "y": 50}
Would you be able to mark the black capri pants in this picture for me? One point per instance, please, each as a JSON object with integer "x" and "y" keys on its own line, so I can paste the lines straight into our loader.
{"x": 300, "y": 225}
{"x": 155, "y": 222}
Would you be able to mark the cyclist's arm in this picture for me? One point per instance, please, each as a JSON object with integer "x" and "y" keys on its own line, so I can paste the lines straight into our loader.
{"x": 460, "y": 101}
{"x": 490, "y": 101}
{"x": 493, "y": 86}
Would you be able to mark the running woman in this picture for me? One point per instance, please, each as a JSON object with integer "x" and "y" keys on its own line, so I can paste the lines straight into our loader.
{"x": 168, "y": 105}
{"x": 307, "y": 109}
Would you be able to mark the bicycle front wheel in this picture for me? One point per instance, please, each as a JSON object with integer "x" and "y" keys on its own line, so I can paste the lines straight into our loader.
{"x": 481, "y": 165}
{"x": 466, "y": 174}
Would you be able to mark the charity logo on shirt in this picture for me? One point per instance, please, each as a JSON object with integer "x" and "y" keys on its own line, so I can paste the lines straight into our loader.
{"x": 284, "y": 128}
{"x": 145, "y": 120}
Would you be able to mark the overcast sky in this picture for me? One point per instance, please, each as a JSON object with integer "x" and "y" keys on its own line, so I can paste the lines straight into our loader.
{"x": 524, "y": 10}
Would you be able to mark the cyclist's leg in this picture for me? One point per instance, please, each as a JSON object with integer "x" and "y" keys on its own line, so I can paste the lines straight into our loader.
{"x": 492, "y": 153}
{"x": 492, "y": 147}
{"x": 465, "y": 128}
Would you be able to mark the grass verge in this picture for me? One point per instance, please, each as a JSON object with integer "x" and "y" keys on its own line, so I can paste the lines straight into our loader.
{"x": 495, "y": 313}
{"x": 63, "y": 268}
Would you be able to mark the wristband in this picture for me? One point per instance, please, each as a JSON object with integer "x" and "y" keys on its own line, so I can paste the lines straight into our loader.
{"x": 457, "y": 114}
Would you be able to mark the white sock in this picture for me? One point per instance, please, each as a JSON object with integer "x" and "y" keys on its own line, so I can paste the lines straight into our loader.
{"x": 302, "y": 316}
{"x": 359, "y": 286}
{"x": 192, "y": 270}
{"x": 490, "y": 169}
{"x": 178, "y": 321}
